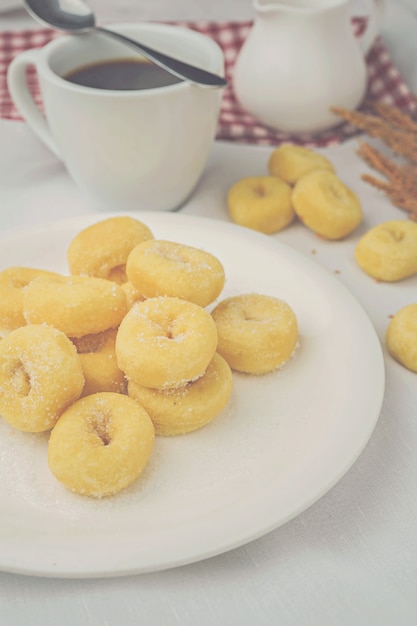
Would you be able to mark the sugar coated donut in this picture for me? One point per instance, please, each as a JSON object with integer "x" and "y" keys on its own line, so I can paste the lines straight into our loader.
{"x": 256, "y": 333}
{"x": 165, "y": 342}
{"x": 101, "y": 444}
{"x": 388, "y": 252}
{"x": 184, "y": 409}
{"x": 98, "y": 359}
{"x": 326, "y": 205}
{"x": 102, "y": 249}
{"x": 262, "y": 203}
{"x": 166, "y": 268}
{"x": 40, "y": 376}
{"x": 77, "y": 305}
{"x": 290, "y": 163}
{"x": 401, "y": 337}
{"x": 13, "y": 281}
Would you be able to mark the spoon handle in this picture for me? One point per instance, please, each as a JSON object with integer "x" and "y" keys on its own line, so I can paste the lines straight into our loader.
{"x": 183, "y": 70}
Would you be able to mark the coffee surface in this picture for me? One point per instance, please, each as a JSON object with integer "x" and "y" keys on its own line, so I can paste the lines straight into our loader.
{"x": 122, "y": 74}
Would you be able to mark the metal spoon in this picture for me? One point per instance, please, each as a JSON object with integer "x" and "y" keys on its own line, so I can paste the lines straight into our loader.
{"x": 76, "y": 17}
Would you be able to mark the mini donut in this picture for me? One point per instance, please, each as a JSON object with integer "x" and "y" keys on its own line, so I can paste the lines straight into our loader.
{"x": 290, "y": 163}
{"x": 184, "y": 409}
{"x": 102, "y": 249}
{"x": 401, "y": 337}
{"x": 40, "y": 376}
{"x": 326, "y": 205}
{"x": 165, "y": 268}
{"x": 98, "y": 359}
{"x": 101, "y": 444}
{"x": 13, "y": 281}
{"x": 256, "y": 333}
{"x": 262, "y": 203}
{"x": 165, "y": 342}
{"x": 77, "y": 305}
{"x": 388, "y": 252}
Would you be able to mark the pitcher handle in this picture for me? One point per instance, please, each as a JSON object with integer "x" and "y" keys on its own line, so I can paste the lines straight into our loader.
{"x": 23, "y": 99}
{"x": 367, "y": 39}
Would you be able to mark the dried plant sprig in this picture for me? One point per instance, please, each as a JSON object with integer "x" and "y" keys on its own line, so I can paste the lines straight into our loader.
{"x": 371, "y": 124}
{"x": 378, "y": 161}
{"x": 401, "y": 140}
{"x": 398, "y": 131}
{"x": 394, "y": 116}
{"x": 398, "y": 196}
{"x": 403, "y": 201}
{"x": 401, "y": 183}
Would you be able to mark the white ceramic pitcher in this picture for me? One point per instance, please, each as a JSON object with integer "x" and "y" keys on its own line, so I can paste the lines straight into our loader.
{"x": 301, "y": 58}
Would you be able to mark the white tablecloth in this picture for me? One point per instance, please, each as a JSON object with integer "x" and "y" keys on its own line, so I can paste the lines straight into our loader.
{"x": 350, "y": 559}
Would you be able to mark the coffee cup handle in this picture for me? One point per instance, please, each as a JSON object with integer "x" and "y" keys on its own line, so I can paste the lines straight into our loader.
{"x": 23, "y": 99}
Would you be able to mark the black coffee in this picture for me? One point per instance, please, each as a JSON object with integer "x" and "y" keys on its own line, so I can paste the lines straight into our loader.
{"x": 122, "y": 74}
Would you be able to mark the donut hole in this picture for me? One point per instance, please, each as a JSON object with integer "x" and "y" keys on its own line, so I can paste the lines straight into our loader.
{"x": 255, "y": 312}
{"x": 162, "y": 330}
{"x": 338, "y": 191}
{"x": 176, "y": 329}
{"x": 117, "y": 274}
{"x": 99, "y": 425}
{"x": 89, "y": 344}
{"x": 166, "y": 251}
{"x": 16, "y": 283}
{"x": 259, "y": 190}
{"x": 20, "y": 379}
{"x": 171, "y": 330}
{"x": 167, "y": 327}
{"x": 396, "y": 234}
{"x": 253, "y": 316}
{"x": 174, "y": 254}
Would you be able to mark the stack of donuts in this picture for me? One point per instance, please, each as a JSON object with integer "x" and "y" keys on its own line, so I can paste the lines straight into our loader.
{"x": 166, "y": 345}
{"x": 124, "y": 348}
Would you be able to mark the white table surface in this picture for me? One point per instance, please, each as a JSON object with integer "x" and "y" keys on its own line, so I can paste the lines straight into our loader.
{"x": 350, "y": 559}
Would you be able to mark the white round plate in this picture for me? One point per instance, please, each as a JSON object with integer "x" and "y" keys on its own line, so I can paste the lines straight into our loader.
{"x": 284, "y": 440}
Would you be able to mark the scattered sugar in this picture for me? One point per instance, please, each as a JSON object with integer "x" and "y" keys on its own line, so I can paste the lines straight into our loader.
{"x": 224, "y": 452}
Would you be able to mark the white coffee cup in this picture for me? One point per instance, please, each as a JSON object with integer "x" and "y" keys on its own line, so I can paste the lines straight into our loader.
{"x": 128, "y": 150}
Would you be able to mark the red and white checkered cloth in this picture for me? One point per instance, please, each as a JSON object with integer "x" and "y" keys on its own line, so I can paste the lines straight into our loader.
{"x": 385, "y": 83}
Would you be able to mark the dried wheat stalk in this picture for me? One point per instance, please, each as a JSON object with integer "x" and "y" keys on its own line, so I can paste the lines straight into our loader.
{"x": 399, "y": 132}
